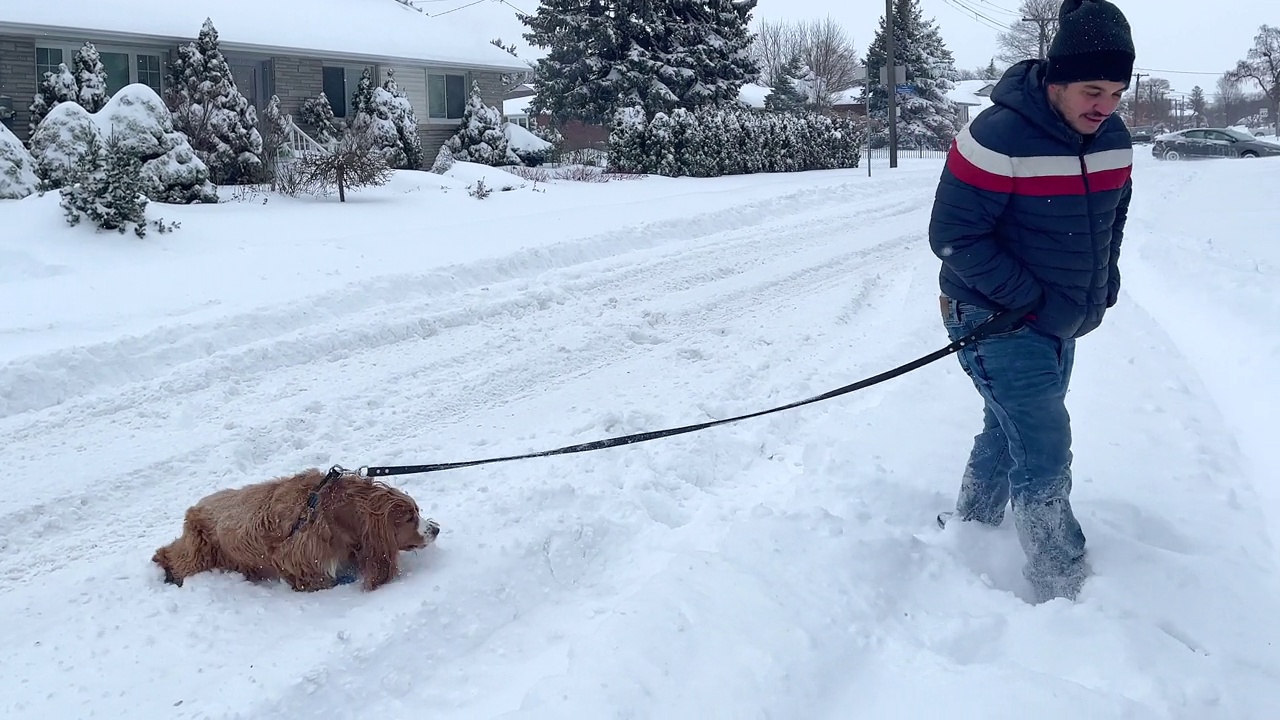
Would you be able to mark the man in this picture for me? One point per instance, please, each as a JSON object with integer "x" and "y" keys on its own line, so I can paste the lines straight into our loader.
{"x": 1029, "y": 215}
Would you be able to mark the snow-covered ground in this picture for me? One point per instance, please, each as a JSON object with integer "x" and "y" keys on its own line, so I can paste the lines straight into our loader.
{"x": 784, "y": 567}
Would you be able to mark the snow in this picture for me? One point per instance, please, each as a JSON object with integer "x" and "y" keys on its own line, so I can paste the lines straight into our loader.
{"x": 522, "y": 140}
{"x": 382, "y": 29}
{"x": 787, "y": 566}
{"x": 17, "y": 168}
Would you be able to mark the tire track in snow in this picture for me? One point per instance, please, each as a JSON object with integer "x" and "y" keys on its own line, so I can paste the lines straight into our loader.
{"x": 89, "y": 503}
{"x": 46, "y": 380}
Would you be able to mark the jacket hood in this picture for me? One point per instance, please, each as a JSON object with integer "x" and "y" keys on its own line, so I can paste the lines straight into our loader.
{"x": 1022, "y": 89}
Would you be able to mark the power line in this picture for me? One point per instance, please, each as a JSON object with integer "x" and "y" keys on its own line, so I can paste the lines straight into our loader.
{"x": 463, "y": 7}
{"x": 976, "y": 16}
{"x": 1000, "y": 8}
{"x": 1180, "y": 72}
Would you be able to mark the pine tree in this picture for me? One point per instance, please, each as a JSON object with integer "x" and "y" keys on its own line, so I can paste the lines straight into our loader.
{"x": 106, "y": 187}
{"x": 17, "y": 168}
{"x": 703, "y": 52}
{"x": 143, "y": 127}
{"x": 91, "y": 78}
{"x": 60, "y": 141}
{"x": 786, "y": 97}
{"x": 1199, "y": 106}
{"x": 926, "y": 116}
{"x": 362, "y": 97}
{"x": 318, "y": 113}
{"x": 405, "y": 120}
{"x": 208, "y": 107}
{"x": 992, "y": 72}
{"x": 480, "y": 138}
{"x": 604, "y": 55}
{"x": 55, "y": 89}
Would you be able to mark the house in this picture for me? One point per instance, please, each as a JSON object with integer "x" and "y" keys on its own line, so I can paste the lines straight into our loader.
{"x": 973, "y": 96}
{"x": 291, "y": 48}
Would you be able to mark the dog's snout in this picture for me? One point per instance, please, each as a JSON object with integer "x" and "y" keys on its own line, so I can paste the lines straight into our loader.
{"x": 429, "y": 528}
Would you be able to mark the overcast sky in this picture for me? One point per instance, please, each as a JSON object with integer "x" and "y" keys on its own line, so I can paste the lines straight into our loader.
{"x": 1168, "y": 34}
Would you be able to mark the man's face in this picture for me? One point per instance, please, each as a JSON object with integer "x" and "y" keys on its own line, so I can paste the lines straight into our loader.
{"x": 1085, "y": 105}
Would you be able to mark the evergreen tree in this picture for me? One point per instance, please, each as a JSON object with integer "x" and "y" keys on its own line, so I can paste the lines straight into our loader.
{"x": 926, "y": 116}
{"x": 786, "y": 97}
{"x": 318, "y": 114}
{"x": 992, "y": 72}
{"x": 208, "y": 107}
{"x": 480, "y": 138}
{"x": 604, "y": 55}
{"x": 106, "y": 188}
{"x": 91, "y": 78}
{"x": 60, "y": 141}
{"x": 405, "y": 119}
{"x": 55, "y": 89}
{"x": 143, "y": 127}
{"x": 362, "y": 97}
{"x": 385, "y": 115}
{"x": 17, "y": 168}
{"x": 1199, "y": 106}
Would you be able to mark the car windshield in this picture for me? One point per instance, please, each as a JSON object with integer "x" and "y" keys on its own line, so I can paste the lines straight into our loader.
{"x": 1239, "y": 135}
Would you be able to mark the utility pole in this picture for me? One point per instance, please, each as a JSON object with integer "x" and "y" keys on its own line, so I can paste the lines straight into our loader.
{"x": 1137, "y": 98}
{"x": 1043, "y": 22}
{"x": 891, "y": 83}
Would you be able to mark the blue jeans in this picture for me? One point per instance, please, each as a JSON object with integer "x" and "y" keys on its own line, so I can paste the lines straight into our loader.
{"x": 1023, "y": 454}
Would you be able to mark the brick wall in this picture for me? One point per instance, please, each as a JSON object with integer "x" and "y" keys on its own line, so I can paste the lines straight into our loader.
{"x": 18, "y": 79}
{"x": 296, "y": 80}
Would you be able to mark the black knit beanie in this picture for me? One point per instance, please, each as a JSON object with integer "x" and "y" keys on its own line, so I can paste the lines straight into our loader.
{"x": 1093, "y": 43}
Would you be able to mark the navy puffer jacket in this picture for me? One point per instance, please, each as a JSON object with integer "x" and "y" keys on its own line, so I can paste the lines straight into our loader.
{"x": 1030, "y": 213}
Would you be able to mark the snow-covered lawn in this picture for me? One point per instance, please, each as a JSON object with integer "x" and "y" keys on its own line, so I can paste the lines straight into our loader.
{"x": 785, "y": 567}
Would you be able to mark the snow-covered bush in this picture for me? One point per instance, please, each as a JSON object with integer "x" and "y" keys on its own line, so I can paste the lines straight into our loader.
{"x": 17, "y": 168}
{"x": 384, "y": 117}
{"x": 208, "y": 108}
{"x": 106, "y": 186}
{"x": 171, "y": 171}
{"x": 55, "y": 88}
{"x": 714, "y": 141}
{"x": 59, "y": 142}
{"x": 317, "y": 113}
{"x": 531, "y": 149}
{"x": 480, "y": 138}
{"x": 91, "y": 78}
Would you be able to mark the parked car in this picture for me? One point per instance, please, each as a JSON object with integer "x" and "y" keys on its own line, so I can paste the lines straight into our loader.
{"x": 1211, "y": 142}
{"x": 1141, "y": 134}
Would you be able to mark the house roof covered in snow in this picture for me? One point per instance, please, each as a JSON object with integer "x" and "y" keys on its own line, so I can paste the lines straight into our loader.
{"x": 971, "y": 92}
{"x": 372, "y": 30}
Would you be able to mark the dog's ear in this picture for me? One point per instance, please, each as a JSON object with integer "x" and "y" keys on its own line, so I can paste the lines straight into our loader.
{"x": 379, "y": 549}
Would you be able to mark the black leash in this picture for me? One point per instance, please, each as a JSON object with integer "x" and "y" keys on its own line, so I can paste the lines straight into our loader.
{"x": 997, "y": 323}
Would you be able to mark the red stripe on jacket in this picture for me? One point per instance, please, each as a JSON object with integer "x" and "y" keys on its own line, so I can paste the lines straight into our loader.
{"x": 1034, "y": 186}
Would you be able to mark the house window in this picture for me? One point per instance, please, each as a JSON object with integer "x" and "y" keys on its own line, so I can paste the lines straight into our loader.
{"x": 335, "y": 89}
{"x": 446, "y": 96}
{"x": 117, "y": 66}
{"x": 149, "y": 71}
{"x": 47, "y": 61}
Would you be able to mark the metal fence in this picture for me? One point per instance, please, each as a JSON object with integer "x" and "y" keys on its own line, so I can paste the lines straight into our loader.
{"x": 907, "y": 153}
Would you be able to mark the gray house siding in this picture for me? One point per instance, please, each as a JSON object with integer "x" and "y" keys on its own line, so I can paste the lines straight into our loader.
{"x": 18, "y": 80}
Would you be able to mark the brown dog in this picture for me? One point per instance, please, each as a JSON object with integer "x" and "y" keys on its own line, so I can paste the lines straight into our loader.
{"x": 358, "y": 525}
